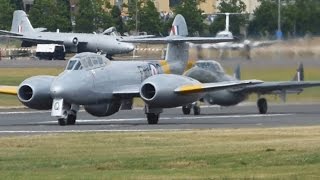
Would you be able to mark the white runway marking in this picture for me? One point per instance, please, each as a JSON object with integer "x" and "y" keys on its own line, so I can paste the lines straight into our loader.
{"x": 175, "y": 118}
{"x": 88, "y": 131}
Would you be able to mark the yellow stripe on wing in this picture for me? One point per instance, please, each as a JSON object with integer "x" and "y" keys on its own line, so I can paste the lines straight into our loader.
{"x": 195, "y": 88}
{"x": 11, "y": 90}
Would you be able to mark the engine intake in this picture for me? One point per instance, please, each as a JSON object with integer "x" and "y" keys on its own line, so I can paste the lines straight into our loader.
{"x": 34, "y": 92}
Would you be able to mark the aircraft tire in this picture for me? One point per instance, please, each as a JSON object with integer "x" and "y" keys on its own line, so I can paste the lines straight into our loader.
{"x": 152, "y": 118}
{"x": 196, "y": 110}
{"x": 62, "y": 121}
{"x": 71, "y": 119}
{"x": 186, "y": 110}
{"x": 262, "y": 105}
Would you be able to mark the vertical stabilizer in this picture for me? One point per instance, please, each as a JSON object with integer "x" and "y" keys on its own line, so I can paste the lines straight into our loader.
{"x": 299, "y": 76}
{"x": 21, "y": 23}
{"x": 178, "y": 52}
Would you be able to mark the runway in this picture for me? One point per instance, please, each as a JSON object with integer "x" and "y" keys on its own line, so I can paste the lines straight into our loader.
{"x": 14, "y": 122}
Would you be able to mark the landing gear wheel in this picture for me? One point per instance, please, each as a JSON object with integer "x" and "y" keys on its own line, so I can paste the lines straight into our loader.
{"x": 262, "y": 106}
{"x": 62, "y": 121}
{"x": 196, "y": 110}
{"x": 69, "y": 120}
{"x": 152, "y": 118}
{"x": 186, "y": 109}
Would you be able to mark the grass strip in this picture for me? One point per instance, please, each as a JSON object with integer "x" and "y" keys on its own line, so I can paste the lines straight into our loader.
{"x": 273, "y": 153}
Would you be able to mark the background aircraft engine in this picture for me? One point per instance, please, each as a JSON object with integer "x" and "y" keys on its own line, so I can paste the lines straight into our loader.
{"x": 34, "y": 92}
{"x": 158, "y": 91}
{"x": 101, "y": 110}
{"x": 72, "y": 42}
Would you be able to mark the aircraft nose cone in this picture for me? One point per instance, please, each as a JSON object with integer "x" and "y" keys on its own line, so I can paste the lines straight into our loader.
{"x": 130, "y": 47}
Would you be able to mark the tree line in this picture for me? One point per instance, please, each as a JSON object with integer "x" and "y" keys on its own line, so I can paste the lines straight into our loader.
{"x": 298, "y": 17}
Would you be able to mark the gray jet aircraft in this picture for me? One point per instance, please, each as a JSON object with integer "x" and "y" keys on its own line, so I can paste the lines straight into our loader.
{"x": 212, "y": 72}
{"x": 104, "y": 87}
{"x": 74, "y": 42}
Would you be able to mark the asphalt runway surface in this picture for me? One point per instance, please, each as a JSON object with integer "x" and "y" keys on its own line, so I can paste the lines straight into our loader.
{"x": 21, "y": 122}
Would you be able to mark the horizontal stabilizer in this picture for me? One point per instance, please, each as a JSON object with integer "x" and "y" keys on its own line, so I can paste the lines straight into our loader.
{"x": 11, "y": 90}
{"x": 205, "y": 87}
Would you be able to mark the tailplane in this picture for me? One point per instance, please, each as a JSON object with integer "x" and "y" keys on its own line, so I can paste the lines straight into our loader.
{"x": 299, "y": 76}
{"x": 21, "y": 23}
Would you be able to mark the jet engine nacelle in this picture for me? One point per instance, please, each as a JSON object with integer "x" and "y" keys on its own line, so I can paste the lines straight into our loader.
{"x": 34, "y": 92}
{"x": 72, "y": 42}
{"x": 158, "y": 91}
{"x": 101, "y": 110}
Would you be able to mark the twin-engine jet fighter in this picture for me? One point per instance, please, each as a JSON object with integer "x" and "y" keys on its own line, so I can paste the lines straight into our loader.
{"x": 103, "y": 87}
{"x": 74, "y": 42}
{"x": 212, "y": 72}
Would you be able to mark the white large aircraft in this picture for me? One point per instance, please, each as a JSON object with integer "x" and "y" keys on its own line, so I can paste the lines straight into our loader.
{"x": 246, "y": 45}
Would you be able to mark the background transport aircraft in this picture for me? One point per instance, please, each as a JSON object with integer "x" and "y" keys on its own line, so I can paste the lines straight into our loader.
{"x": 74, "y": 42}
{"x": 246, "y": 45}
{"x": 103, "y": 87}
{"x": 212, "y": 72}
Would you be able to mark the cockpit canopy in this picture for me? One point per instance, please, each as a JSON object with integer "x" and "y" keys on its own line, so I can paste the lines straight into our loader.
{"x": 212, "y": 66}
{"x": 87, "y": 61}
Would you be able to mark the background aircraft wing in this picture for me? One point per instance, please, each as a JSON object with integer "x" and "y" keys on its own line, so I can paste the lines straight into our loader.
{"x": 178, "y": 39}
{"x": 274, "y": 87}
{"x": 43, "y": 40}
{"x": 10, "y": 33}
{"x": 11, "y": 90}
{"x": 205, "y": 87}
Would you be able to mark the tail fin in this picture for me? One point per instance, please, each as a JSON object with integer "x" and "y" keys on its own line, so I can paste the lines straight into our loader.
{"x": 237, "y": 72}
{"x": 178, "y": 53}
{"x": 21, "y": 23}
{"x": 299, "y": 76}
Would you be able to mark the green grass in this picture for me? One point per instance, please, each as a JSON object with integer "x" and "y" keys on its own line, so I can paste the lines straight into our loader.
{"x": 279, "y": 153}
{"x": 14, "y": 76}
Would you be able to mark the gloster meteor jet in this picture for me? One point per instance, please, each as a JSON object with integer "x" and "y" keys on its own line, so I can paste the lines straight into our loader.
{"x": 207, "y": 71}
{"x": 74, "y": 42}
{"x": 103, "y": 87}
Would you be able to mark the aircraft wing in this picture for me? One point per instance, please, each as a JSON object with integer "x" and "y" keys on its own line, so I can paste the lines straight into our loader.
{"x": 10, "y": 33}
{"x": 128, "y": 91}
{"x": 205, "y": 87}
{"x": 271, "y": 87}
{"x": 35, "y": 39}
{"x": 263, "y": 43}
{"x": 11, "y": 90}
{"x": 177, "y": 39}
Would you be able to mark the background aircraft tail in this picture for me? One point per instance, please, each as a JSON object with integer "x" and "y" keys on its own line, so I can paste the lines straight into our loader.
{"x": 178, "y": 52}
{"x": 21, "y": 23}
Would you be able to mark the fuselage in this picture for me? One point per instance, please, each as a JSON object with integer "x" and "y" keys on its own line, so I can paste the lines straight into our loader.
{"x": 83, "y": 41}
{"x": 97, "y": 84}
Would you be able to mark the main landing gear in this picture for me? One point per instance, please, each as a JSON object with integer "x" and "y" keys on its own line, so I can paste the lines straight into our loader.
{"x": 262, "y": 105}
{"x": 195, "y": 106}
